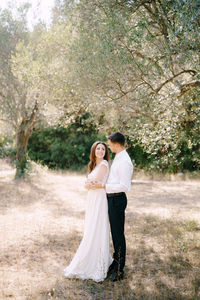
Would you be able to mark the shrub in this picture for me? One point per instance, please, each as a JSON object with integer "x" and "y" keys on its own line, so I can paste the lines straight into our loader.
{"x": 64, "y": 148}
{"x": 6, "y": 148}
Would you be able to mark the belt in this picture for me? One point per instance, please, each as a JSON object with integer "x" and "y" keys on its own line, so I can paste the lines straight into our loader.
{"x": 114, "y": 194}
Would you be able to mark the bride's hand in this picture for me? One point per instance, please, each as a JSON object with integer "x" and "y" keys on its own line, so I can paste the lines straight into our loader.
{"x": 93, "y": 184}
{"x": 96, "y": 185}
{"x": 89, "y": 184}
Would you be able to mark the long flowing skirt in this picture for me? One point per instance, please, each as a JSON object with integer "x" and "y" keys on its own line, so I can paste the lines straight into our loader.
{"x": 93, "y": 258}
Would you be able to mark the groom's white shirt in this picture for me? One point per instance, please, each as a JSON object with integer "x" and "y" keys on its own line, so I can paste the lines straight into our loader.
{"x": 120, "y": 175}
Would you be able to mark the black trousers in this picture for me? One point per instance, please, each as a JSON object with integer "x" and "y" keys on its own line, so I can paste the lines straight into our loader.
{"x": 116, "y": 210}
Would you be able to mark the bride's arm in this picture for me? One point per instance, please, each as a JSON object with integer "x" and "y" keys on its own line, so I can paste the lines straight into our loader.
{"x": 97, "y": 183}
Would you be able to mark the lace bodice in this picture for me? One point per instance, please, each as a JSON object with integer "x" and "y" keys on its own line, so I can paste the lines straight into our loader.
{"x": 95, "y": 174}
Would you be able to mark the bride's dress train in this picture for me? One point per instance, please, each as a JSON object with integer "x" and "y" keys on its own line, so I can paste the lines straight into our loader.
{"x": 93, "y": 258}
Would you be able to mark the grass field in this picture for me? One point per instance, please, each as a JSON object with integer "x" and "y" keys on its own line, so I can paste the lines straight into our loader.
{"x": 41, "y": 226}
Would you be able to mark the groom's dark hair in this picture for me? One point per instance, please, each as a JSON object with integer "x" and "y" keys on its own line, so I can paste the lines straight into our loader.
{"x": 117, "y": 137}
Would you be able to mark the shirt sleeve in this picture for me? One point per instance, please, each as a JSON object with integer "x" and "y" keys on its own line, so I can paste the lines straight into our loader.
{"x": 125, "y": 171}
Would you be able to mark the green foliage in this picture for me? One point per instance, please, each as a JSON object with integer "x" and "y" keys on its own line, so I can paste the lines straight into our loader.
{"x": 64, "y": 148}
{"x": 12, "y": 30}
{"x": 133, "y": 64}
{"x": 140, "y": 62}
{"x": 6, "y": 148}
{"x": 22, "y": 166}
{"x": 140, "y": 158}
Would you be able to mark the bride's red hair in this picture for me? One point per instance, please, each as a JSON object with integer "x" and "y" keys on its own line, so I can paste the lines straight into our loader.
{"x": 92, "y": 163}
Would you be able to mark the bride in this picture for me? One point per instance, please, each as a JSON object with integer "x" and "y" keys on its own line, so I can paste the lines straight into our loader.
{"x": 93, "y": 258}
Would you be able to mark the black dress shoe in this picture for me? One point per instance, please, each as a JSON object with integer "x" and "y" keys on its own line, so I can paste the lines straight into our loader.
{"x": 110, "y": 270}
{"x": 109, "y": 273}
{"x": 116, "y": 276}
{"x": 111, "y": 267}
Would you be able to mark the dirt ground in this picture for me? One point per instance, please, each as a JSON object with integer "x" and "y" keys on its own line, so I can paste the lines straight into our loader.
{"x": 41, "y": 225}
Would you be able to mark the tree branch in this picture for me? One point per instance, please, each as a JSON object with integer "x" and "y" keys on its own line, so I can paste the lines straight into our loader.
{"x": 193, "y": 72}
{"x": 149, "y": 85}
{"x": 143, "y": 113}
{"x": 123, "y": 93}
{"x": 187, "y": 86}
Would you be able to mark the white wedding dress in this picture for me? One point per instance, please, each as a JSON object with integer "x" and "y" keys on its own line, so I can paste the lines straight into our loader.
{"x": 93, "y": 258}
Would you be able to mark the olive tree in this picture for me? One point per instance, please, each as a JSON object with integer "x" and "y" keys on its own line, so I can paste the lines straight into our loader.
{"x": 138, "y": 64}
{"x": 46, "y": 87}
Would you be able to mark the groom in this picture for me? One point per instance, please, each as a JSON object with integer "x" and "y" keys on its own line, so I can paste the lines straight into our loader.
{"x": 118, "y": 183}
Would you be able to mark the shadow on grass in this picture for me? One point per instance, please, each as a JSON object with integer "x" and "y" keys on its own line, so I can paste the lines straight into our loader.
{"x": 19, "y": 193}
{"x": 170, "y": 194}
{"x": 159, "y": 277}
{"x": 36, "y": 253}
{"x": 167, "y": 273}
{"x": 24, "y": 193}
{"x": 89, "y": 290}
{"x": 164, "y": 257}
{"x": 149, "y": 275}
{"x": 131, "y": 288}
{"x": 61, "y": 211}
{"x": 162, "y": 254}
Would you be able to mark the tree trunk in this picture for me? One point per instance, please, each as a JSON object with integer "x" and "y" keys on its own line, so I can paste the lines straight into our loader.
{"x": 23, "y": 134}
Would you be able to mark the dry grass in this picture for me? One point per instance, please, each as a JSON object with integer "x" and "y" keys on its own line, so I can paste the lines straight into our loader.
{"x": 41, "y": 225}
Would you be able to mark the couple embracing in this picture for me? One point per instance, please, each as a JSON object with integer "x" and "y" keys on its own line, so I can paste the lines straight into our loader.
{"x": 106, "y": 202}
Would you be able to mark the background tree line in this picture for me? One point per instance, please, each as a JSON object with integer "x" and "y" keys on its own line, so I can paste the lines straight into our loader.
{"x": 128, "y": 65}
